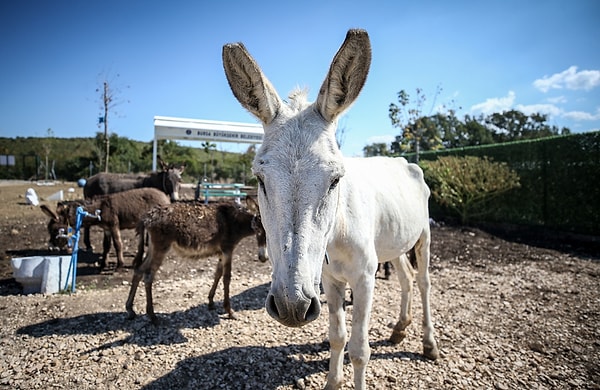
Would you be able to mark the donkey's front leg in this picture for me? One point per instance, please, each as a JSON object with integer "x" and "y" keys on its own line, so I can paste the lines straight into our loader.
{"x": 86, "y": 239}
{"x": 224, "y": 270}
{"x": 335, "y": 293}
{"x": 358, "y": 345}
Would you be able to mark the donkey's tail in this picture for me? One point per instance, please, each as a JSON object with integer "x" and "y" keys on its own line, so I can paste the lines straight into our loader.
{"x": 412, "y": 257}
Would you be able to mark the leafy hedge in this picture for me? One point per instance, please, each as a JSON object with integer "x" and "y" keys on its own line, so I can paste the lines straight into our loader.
{"x": 559, "y": 176}
{"x": 467, "y": 185}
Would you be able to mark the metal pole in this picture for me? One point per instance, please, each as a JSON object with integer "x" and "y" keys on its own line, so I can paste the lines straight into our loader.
{"x": 106, "y": 140}
{"x": 154, "y": 153}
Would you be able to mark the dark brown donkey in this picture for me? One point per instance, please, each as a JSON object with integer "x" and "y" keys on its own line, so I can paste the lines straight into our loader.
{"x": 167, "y": 180}
{"x": 194, "y": 230}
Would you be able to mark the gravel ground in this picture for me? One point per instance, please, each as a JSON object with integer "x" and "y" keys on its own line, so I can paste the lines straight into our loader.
{"x": 508, "y": 315}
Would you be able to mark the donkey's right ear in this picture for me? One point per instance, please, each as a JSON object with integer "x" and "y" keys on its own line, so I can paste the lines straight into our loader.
{"x": 248, "y": 84}
{"x": 46, "y": 210}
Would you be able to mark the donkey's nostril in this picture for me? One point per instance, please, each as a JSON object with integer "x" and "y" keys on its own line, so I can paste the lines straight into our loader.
{"x": 313, "y": 310}
{"x": 272, "y": 307}
{"x": 293, "y": 314}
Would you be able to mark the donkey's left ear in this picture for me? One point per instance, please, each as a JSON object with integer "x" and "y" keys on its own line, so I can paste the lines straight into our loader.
{"x": 46, "y": 210}
{"x": 249, "y": 85}
{"x": 163, "y": 164}
{"x": 347, "y": 75}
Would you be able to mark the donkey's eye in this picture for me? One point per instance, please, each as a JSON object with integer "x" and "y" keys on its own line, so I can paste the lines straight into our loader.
{"x": 334, "y": 183}
{"x": 261, "y": 185}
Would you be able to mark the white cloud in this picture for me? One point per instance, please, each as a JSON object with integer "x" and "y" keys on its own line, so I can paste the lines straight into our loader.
{"x": 569, "y": 79}
{"x": 548, "y": 109}
{"x": 493, "y": 105}
{"x": 582, "y": 115}
{"x": 552, "y": 108}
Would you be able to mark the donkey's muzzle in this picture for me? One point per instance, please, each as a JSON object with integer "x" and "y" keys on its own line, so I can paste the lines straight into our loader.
{"x": 294, "y": 313}
{"x": 263, "y": 254}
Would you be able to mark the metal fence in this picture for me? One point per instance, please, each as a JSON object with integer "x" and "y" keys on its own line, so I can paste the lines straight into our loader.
{"x": 560, "y": 181}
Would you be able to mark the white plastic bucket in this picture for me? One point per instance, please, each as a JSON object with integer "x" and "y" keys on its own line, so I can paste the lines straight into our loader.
{"x": 43, "y": 274}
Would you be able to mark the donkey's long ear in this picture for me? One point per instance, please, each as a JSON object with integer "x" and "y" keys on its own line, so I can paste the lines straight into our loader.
{"x": 46, "y": 210}
{"x": 247, "y": 82}
{"x": 164, "y": 166}
{"x": 347, "y": 75}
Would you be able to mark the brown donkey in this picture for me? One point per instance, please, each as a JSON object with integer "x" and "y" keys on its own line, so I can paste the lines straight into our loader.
{"x": 194, "y": 230}
{"x": 118, "y": 211}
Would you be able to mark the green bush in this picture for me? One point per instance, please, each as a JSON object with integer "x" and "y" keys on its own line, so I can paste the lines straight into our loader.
{"x": 466, "y": 185}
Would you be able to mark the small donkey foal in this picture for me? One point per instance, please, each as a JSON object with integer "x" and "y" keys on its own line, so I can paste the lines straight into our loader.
{"x": 194, "y": 230}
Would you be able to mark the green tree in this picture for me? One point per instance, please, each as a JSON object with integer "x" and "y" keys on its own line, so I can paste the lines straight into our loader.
{"x": 417, "y": 130}
{"x": 244, "y": 174}
{"x": 475, "y": 132}
{"x": 466, "y": 185}
{"x": 377, "y": 149}
{"x": 457, "y": 133}
{"x": 514, "y": 125}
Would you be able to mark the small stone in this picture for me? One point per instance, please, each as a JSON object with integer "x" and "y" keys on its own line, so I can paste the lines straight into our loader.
{"x": 300, "y": 383}
{"x": 537, "y": 347}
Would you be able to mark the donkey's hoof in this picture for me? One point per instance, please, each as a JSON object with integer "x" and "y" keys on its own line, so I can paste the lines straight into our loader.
{"x": 397, "y": 336}
{"x": 431, "y": 353}
{"x": 333, "y": 385}
{"x": 131, "y": 315}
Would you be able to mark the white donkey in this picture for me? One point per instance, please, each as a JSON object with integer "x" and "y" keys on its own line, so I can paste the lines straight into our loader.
{"x": 325, "y": 214}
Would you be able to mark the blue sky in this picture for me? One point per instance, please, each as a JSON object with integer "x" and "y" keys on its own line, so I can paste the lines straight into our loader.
{"x": 164, "y": 57}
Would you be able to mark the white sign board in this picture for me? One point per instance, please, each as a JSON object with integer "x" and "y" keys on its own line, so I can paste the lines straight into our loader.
{"x": 204, "y": 130}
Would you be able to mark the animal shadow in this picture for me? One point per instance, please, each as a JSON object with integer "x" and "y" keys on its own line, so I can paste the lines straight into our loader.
{"x": 244, "y": 367}
{"x": 255, "y": 367}
{"x": 250, "y": 299}
{"x": 142, "y": 331}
